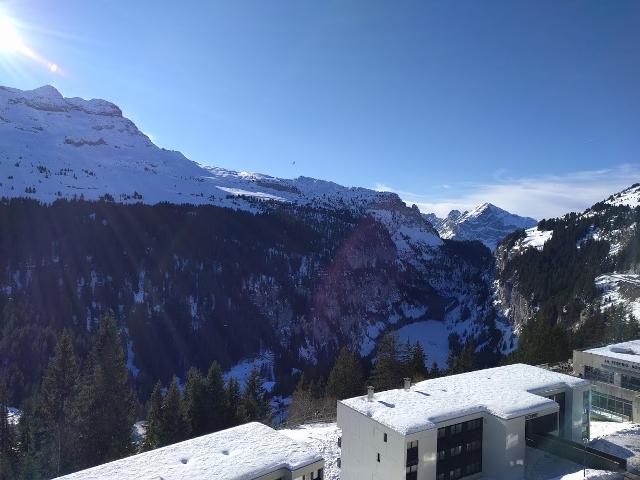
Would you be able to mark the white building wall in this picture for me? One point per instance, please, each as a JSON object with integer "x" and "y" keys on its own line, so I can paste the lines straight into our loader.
{"x": 427, "y": 453}
{"x": 503, "y": 448}
{"x": 362, "y": 441}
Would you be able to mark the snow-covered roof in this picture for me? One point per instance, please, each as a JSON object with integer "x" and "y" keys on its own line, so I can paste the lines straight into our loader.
{"x": 505, "y": 392}
{"x": 628, "y": 351}
{"x": 239, "y": 453}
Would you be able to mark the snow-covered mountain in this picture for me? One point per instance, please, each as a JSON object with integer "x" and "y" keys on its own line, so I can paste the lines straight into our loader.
{"x": 53, "y": 147}
{"x": 487, "y": 223}
{"x": 289, "y": 271}
{"x": 594, "y": 259}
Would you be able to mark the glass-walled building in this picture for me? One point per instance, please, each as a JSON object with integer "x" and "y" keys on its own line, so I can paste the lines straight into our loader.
{"x": 614, "y": 372}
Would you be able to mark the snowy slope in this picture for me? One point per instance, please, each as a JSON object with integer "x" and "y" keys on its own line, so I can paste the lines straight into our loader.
{"x": 487, "y": 223}
{"x": 52, "y": 147}
{"x": 607, "y": 231}
{"x": 629, "y": 197}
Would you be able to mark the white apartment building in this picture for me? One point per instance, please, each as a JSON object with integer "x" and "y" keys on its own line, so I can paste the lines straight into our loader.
{"x": 461, "y": 426}
{"x": 251, "y": 451}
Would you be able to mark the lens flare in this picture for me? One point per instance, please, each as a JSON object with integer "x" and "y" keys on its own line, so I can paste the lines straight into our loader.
{"x": 13, "y": 46}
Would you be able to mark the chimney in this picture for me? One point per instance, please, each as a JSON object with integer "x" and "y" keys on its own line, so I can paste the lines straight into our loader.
{"x": 370, "y": 393}
{"x": 407, "y": 384}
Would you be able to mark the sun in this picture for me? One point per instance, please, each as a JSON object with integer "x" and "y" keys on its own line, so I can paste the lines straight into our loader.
{"x": 10, "y": 40}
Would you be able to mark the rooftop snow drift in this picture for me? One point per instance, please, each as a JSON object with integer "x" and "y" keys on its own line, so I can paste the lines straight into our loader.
{"x": 240, "y": 453}
{"x": 506, "y": 392}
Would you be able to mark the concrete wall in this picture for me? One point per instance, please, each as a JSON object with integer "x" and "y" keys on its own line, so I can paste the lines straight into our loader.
{"x": 503, "y": 448}
{"x": 362, "y": 441}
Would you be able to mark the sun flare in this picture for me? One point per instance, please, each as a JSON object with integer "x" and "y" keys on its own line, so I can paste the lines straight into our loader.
{"x": 10, "y": 40}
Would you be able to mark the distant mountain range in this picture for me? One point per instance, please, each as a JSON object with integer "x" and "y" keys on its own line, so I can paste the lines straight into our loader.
{"x": 200, "y": 263}
{"x": 487, "y": 223}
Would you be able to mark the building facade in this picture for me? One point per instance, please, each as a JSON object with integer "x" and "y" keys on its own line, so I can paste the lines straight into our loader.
{"x": 462, "y": 426}
{"x": 252, "y": 451}
{"x": 614, "y": 373}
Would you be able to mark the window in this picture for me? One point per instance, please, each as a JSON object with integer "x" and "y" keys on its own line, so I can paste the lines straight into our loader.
{"x": 385, "y": 437}
{"x": 460, "y": 450}
{"x": 412, "y": 472}
{"x": 631, "y": 383}
{"x": 474, "y": 424}
{"x": 340, "y": 442}
{"x": 412, "y": 453}
{"x": 442, "y": 432}
{"x": 475, "y": 467}
{"x": 598, "y": 375}
{"x": 378, "y": 458}
{"x": 603, "y": 403}
{"x": 473, "y": 446}
{"x": 339, "y": 462}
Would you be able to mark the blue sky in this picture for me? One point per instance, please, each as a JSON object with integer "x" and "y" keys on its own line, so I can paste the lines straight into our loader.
{"x": 532, "y": 105}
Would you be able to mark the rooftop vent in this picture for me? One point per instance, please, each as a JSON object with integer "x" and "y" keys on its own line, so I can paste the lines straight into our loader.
{"x": 407, "y": 384}
{"x": 370, "y": 393}
{"x": 627, "y": 350}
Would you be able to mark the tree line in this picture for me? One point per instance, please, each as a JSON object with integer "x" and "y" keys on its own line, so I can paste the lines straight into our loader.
{"x": 85, "y": 409}
{"x": 84, "y": 412}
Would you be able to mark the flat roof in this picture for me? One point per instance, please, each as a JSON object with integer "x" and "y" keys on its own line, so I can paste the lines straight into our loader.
{"x": 628, "y": 351}
{"x": 239, "y": 453}
{"x": 505, "y": 392}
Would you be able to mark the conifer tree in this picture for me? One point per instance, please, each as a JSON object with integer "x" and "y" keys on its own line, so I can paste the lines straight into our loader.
{"x": 28, "y": 461}
{"x": 173, "y": 427}
{"x": 105, "y": 406}
{"x": 435, "y": 371}
{"x": 194, "y": 403}
{"x": 254, "y": 402}
{"x": 416, "y": 359}
{"x": 387, "y": 371}
{"x": 346, "y": 378}
{"x": 56, "y": 399}
{"x": 465, "y": 362}
{"x": 7, "y": 447}
{"x": 236, "y": 414}
{"x": 154, "y": 419}
{"x": 217, "y": 399}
